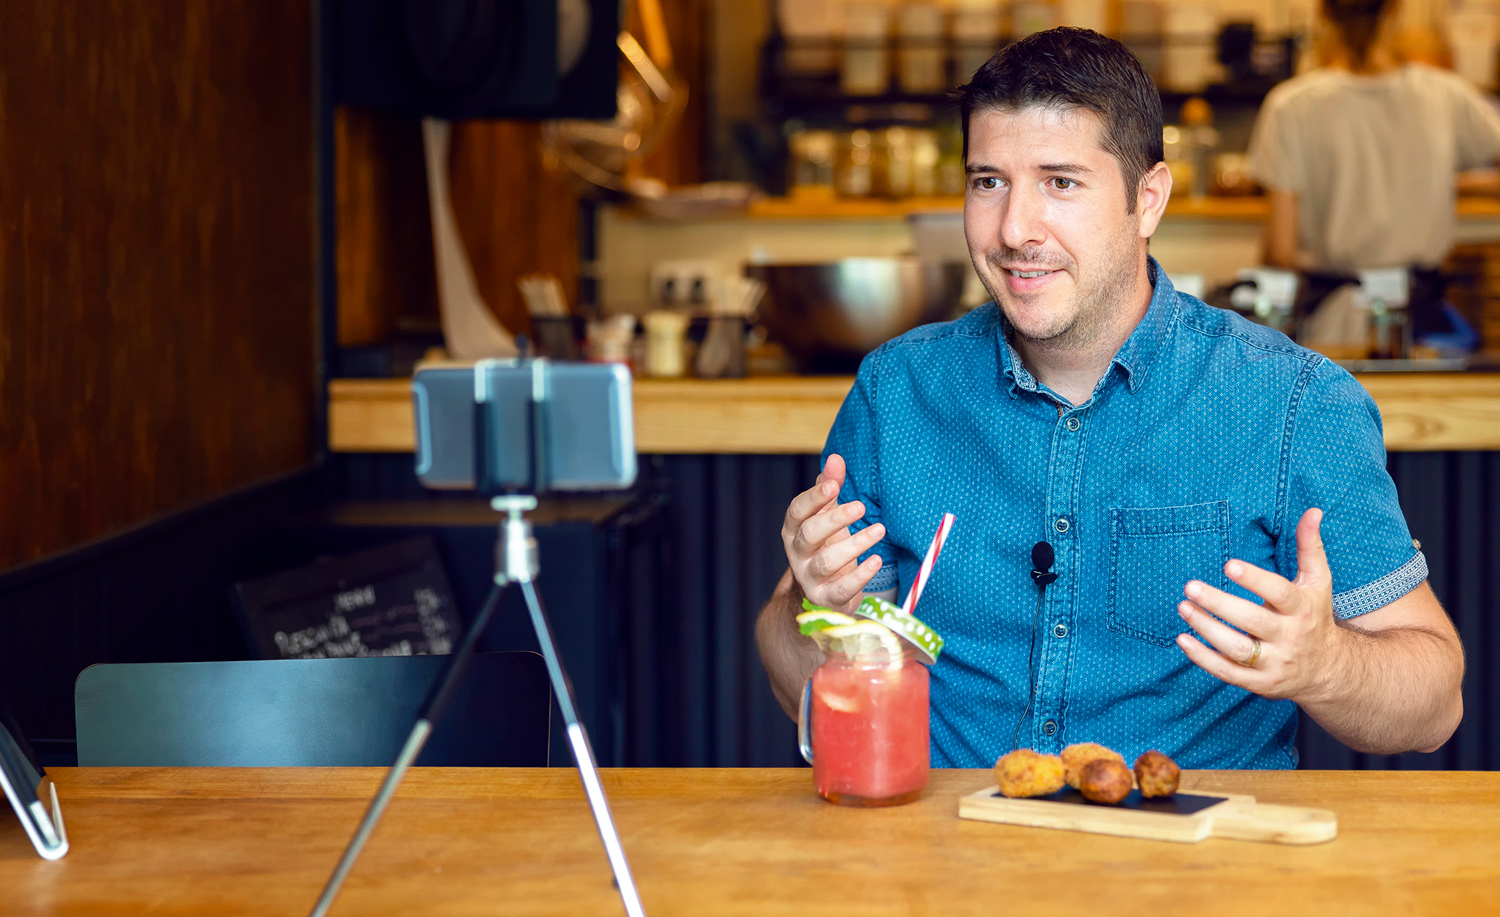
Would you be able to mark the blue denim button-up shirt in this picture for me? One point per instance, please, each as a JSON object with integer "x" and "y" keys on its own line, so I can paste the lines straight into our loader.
{"x": 1206, "y": 439}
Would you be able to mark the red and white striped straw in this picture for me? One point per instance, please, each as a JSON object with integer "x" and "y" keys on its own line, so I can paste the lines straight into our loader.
{"x": 925, "y": 570}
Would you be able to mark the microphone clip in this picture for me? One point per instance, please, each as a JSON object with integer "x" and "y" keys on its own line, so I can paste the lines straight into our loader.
{"x": 1044, "y": 579}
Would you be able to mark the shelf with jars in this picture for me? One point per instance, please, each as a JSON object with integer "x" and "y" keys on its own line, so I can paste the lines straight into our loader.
{"x": 892, "y": 63}
{"x": 863, "y": 103}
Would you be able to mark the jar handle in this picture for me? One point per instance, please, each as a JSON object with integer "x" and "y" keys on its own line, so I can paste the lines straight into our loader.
{"x": 804, "y": 723}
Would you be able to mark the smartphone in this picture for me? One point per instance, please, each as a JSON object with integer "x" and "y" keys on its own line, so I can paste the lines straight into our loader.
{"x": 524, "y": 425}
{"x": 30, "y": 791}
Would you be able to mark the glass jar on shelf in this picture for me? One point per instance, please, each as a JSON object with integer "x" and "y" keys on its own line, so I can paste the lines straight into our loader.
{"x": 926, "y": 153}
{"x": 919, "y": 30}
{"x": 854, "y": 174}
{"x": 977, "y": 26}
{"x": 812, "y": 163}
{"x": 895, "y": 180}
{"x": 866, "y": 67}
{"x": 950, "y": 167}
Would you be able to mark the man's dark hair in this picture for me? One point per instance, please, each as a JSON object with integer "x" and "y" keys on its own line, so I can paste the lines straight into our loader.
{"x": 1067, "y": 68}
{"x": 1358, "y": 24}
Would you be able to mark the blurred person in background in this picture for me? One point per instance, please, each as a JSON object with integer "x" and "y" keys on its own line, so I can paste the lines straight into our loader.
{"x": 1360, "y": 157}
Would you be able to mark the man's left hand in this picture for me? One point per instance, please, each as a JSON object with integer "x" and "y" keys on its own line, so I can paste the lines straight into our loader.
{"x": 1297, "y": 634}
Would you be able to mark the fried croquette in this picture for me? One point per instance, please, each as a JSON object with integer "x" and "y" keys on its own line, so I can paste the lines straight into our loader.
{"x": 1024, "y": 772}
{"x": 1075, "y": 756}
{"x": 1157, "y": 774}
{"x": 1105, "y": 780}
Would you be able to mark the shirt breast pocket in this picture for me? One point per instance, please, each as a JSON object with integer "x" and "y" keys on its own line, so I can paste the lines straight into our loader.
{"x": 1153, "y": 552}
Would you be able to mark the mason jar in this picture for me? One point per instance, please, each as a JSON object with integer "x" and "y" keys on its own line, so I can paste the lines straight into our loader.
{"x": 864, "y": 728}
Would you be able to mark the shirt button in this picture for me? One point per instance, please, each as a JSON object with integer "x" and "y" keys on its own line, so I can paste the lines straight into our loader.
{"x": 1061, "y": 524}
{"x": 1049, "y": 728}
{"x": 1060, "y": 630}
{"x": 1073, "y": 424}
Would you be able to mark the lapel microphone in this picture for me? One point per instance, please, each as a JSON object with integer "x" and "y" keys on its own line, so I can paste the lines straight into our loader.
{"x": 1042, "y": 558}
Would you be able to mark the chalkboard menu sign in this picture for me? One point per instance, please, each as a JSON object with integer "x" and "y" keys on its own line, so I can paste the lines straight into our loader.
{"x": 392, "y": 600}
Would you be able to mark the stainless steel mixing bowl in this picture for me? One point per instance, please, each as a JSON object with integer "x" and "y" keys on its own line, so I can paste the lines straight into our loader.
{"x": 828, "y": 316}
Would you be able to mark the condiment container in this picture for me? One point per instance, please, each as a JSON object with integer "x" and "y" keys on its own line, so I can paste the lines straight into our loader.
{"x": 666, "y": 338}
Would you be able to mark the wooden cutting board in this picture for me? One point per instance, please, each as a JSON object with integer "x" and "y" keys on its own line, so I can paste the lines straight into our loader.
{"x": 1185, "y": 818}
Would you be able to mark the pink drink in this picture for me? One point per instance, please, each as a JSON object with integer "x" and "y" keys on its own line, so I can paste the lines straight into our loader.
{"x": 869, "y": 729}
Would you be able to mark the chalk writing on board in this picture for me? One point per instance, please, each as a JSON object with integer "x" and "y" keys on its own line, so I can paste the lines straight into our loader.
{"x": 389, "y": 632}
{"x": 387, "y": 601}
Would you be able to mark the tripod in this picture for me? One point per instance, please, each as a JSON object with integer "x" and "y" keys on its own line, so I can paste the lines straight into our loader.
{"x": 515, "y": 562}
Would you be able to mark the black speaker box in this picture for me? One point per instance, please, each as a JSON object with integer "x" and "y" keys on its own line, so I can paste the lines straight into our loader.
{"x": 475, "y": 58}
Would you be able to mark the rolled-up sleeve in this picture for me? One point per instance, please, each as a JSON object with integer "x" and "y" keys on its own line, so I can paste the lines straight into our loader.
{"x": 1336, "y": 462}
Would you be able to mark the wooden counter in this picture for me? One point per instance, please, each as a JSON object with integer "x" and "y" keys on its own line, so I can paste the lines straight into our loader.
{"x": 792, "y": 414}
{"x": 169, "y": 841}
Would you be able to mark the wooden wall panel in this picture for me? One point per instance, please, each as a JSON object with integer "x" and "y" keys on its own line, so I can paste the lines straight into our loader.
{"x": 515, "y": 218}
{"x": 386, "y": 275}
{"x": 514, "y": 215}
{"x": 157, "y": 318}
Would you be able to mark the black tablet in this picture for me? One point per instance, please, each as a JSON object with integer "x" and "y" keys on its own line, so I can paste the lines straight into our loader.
{"x": 30, "y": 791}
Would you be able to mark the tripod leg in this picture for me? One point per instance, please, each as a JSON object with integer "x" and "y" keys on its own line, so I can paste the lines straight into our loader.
{"x": 583, "y": 754}
{"x": 432, "y": 709}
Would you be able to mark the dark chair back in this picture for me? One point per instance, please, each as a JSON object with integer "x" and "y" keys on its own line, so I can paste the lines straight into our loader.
{"x": 310, "y": 712}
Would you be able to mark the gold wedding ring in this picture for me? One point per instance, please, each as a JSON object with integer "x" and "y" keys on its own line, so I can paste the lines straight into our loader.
{"x": 1254, "y": 656}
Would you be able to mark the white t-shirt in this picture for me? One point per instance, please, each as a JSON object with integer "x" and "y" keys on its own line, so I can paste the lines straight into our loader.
{"x": 1372, "y": 161}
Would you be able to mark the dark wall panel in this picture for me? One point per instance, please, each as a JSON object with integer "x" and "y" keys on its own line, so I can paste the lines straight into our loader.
{"x": 1452, "y": 504}
{"x": 157, "y": 318}
{"x": 725, "y": 556}
{"x": 157, "y": 594}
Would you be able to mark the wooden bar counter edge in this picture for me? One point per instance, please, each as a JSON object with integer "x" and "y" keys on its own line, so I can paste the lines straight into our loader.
{"x": 177, "y": 841}
{"x": 1422, "y": 412}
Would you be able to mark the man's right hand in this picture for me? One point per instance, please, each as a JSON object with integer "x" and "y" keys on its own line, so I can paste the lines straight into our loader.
{"x": 822, "y": 554}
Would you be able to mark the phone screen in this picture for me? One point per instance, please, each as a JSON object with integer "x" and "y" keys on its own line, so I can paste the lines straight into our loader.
{"x": 477, "y": 430}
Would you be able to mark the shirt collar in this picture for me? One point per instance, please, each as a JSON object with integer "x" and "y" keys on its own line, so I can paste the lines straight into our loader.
{"x": 1135, "y": 357}
{"x": 1138, "y": 354}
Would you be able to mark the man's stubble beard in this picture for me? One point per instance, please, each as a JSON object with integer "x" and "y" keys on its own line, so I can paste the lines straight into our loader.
{"x": 1093, "y": 299}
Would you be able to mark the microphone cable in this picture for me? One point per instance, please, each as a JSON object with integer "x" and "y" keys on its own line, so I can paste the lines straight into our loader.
{"x": 1015, "y": 741}
{"x": 1042, "y": 557}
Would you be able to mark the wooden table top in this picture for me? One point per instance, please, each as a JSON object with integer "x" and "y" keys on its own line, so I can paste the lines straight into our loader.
{"x": 169, "y": 841}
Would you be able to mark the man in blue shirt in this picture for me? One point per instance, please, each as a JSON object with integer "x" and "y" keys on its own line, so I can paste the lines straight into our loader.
{"x": 1228, "y": 543}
